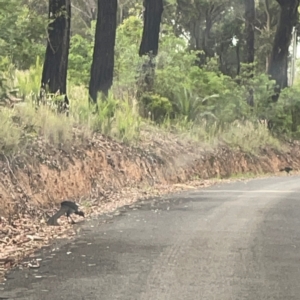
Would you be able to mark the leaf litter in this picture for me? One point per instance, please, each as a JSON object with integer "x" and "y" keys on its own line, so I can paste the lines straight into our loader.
{"x": 111, "y": 175}
{"x": 24, "y": 236}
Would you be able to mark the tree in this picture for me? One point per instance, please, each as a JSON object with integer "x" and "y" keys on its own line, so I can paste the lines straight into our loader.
{"x": 150, "y": 39}
{"x": 54, "y": 76}
{"x": 152, "y": 19}
{"x": 24, "y": 36}
{"x": 279, "y": 58}
{"x": 103, "y": 57}
{"x": 267, "y": 16}
{"x": 249, "y": 30}
{"x": 200, "y": 19}
{"x": 249, "y": 37}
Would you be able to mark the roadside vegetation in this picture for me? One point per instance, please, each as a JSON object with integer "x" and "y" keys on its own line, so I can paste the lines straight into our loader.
{"x": 202, "y": 88}
{"x": 195, "y": 92}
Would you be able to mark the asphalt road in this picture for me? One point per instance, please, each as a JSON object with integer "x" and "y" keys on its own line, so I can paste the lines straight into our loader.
{"x": 231, "y": 241}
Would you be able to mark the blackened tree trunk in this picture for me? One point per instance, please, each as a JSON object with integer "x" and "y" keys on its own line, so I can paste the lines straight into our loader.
{"x": 149, "y": 44}
{"x": 54, "y": 76}
{"x": 249, "y": 30}
{"x": 249, "y": 37}
{"x": 279, "y": 57}
{"x": 152, "y": 20}
{"x": 103, "y": 58}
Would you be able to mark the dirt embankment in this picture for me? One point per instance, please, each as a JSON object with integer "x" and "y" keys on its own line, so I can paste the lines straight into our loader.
{"x": 45, "y": 175}
{"x": 102, "y": 175}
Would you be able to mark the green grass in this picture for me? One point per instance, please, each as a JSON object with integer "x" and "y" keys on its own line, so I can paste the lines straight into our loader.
{"x": 10, "y": 134}
{"x": 247, "y": 136}
{"x": 116, "y": 118}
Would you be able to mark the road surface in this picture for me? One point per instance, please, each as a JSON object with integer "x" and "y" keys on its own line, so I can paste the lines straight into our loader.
{"x": 230, "y": 241}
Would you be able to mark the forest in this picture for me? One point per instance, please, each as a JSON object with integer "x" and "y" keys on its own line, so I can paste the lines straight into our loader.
{"x": 210, "y": 70}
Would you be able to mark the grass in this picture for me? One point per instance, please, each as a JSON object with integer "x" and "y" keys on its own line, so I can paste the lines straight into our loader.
{"x": 10, "y": 134}
{"x": 247, "y": 136}
{"x": 116, "y": 118}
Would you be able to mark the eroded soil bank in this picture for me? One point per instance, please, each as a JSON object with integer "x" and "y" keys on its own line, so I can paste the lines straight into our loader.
{"x": 103, "y": 175}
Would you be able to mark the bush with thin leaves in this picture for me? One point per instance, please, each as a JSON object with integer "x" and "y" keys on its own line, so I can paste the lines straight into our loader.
{"x": 10, "y": 133}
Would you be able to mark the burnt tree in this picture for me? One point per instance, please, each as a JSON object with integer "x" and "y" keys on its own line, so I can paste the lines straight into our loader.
{"x": 103, "y": 58}
{"x": 153, "y": 10}
{"x": 249, "y": 38}
{"x": 152, "y": 20}
{"x": 279, "y": 57}
{"x": 54, "y": 76}
{"x": 249, "y": 30}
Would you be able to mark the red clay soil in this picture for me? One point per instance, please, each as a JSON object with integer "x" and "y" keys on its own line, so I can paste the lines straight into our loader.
{"x": 103, "y": 173}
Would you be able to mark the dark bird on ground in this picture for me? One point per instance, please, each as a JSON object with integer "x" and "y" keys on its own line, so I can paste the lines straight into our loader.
{"x": 286, "y": 169}
{"x": 66, "y": 208}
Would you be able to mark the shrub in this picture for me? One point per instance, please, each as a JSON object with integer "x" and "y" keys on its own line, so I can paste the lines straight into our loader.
{"x": 155, "y": 106}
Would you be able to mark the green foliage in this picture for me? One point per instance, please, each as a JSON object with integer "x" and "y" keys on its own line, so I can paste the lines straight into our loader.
{"x": 31, "y": 40}
{"x": 4, "y": 89}
{"x": 127, "y": 122}
{"x": 22, "y": 37}
{"x": 80, "y": 57}
{"x": 285, "y": 114}
{"x": 194, "y": 108}
{"x": 248, "y": 136}
{"x": 10, "y": 135}
{"x": 127, "y": 61}
{"x": 104, "y": 115}
{"x": 115, "y": 118}
{"x": 155, "y": 106}
{"x": 29, "y": 81}
{"x": 199, "y": 94}
{"x": 206, "y": 103}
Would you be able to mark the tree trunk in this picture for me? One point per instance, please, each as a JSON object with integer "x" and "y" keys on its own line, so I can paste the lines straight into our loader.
{"x": 279, "y": 57}
{"x": 293, "y": 57}
{"x": 152, "y": 20}
{"x": 238, "y": 59}
{"x": 249, "y": 30}
{"x": 268, "y": 29}
{"x": 149, "y": 44}
{"x": 103, "y": 58}
{"x": 249, "y": 36}
{"x": 54, "y": 76}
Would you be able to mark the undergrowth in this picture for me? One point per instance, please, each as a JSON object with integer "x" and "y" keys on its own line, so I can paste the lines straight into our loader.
{"x": 119, "y": 119}
{"x": 193, "y": 103}
{"x": 199, "y": 104}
